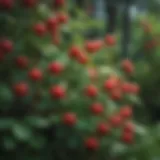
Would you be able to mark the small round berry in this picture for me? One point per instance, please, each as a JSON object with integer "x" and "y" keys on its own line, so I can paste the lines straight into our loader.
{"x": 116, "y": 94}
{"x": 62, "y": 18}
{"x": 91, "y": 91}
{"x": 116, "y": 121}
{"x": 74, "y": 52}
{"x": 52, "y": 24}
{"x": 97, "y": 108}
{"x": 126, "y": 111}
{"x": 110, "y": 40}
{"x": 57, "y": 92}
{"x": 127, "y": 137}
{"x": 82, "y": 58}
{"x": 110, "y": 84}
{"x": 6, "y": 46}
{"x": 29, "y": 3}
{"x": 128, "y": 127}
{"x": 40, "y": 29}
{"x": 6, "y": 4}
{"x": 103, "y": 128}
{"x": 35, "y": 74}
{"x": 127, "y": 66}
{"x": 92, "y": 143}
{"x": 69, "y": 119}
{"x": 21, "y": 89}
{"x": 134, "y": 88}
{"x": 56, "y": 68}
{"x": 93, "y": 46}
{"x": 22, "y": 62}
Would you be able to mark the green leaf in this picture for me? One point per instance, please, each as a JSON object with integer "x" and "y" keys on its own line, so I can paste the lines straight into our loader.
{"x": 22, "y": 132}
{"x": 39, "y": 122}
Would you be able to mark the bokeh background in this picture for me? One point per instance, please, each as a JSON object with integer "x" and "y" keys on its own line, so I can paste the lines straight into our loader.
{"x": 79, "y": 79}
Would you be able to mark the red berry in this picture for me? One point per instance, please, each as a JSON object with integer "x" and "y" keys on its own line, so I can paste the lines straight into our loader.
{"x": 74, "y": 52}
{"x": 91, "y": 91}
{"x": 62, "y": 18}
{"x": 116, "y": 94}
{"x": 6, "y": 4}
{"x": 59, "y": 3}
{"x": 22, "y": 62}
{"x": 134, "y": 88}
{"x": 82, "y": 58}
{"x": 93, "y": 46}
{"x": 92, "y": 143}
{"x": 40, "y": 29}
{"x": 128, "y": 127}
{"x": 35, "y": 74}
{"x": 69, "y": 119}
{"x": 126, "y": 87}
{"x": 57, "y": 92}
{"x": 6, "y": 46}
{"x": 29, "y": 3}
{"x": 110, "y": 40}
{"x": 110, "y": 84}
{"x": 126, "y": 111}
{"x": 116, "y": 121}
{"x": 127, "y": 66}
{"x": 97, "y": 108}
{"x": 127, "y": 137}
{"x": 56, "y": 68}
{"x": 21, "y": 89}
{"x": 103, "y": 128}
{"x": 52, "y": 24}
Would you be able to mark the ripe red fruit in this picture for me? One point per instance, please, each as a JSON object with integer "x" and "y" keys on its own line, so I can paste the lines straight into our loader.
{"x": 62, "y": 18}
{"x": 40, "y": 29}
{"x": 127, "y": 137}
{"x": 56, "y": 68}
{"x": 69, "y": 119}
{"x": 6, "y": 46}
{"x": 35, "y": 74}
{"x": 91, "y": 91}
{"x": 110, "y": 40}
{"x": 110, "y": 84}
{"x": 21, "y": 89}
{"x": 126, "y": 112}
{"x": 22, "y": 62}
{"x": 6, "y": 4}
{"x": 57, "y": 92}
{"x": 52, "y": 24}
{"x": 103, "y": 128}
{"x": 126, "y": 87}
{"x": 82, "y": 58}
{"x": 29, "y": 3}
{"x": 116, "y": 121}
{"x": 128, "y": 127}
{"x": 93, "y": 46}
{"x": 127, "y": 66}
{"x": 97, "y": 108}
{"x": 116, "y": 94}
{"x": 92, "y": 143}
{"x": 134, "y": 88}
{"x": 74, "y": 52}
{"x": 59, "y": 3}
